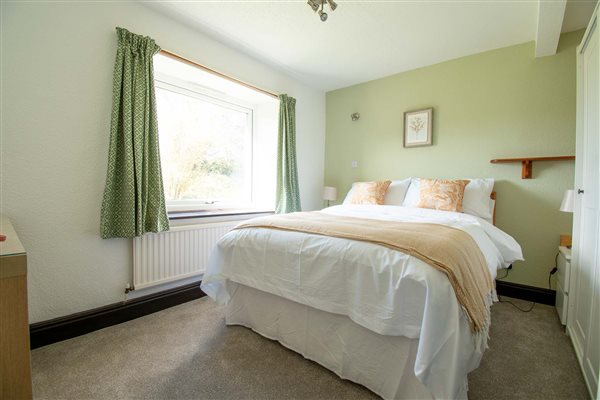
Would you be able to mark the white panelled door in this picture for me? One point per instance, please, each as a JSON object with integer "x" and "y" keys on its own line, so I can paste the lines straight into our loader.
{"x": 584, "y": 310}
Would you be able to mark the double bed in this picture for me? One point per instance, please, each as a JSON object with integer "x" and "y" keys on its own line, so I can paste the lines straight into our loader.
{"x": 372, "y": 314}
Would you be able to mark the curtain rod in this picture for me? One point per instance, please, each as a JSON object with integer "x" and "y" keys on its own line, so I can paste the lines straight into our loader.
{"x": 212, "y": 71}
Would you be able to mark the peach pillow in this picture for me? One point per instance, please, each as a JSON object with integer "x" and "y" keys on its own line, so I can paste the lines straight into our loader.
{"x": 442, "y": 194}
{"x": 369, "y": 192}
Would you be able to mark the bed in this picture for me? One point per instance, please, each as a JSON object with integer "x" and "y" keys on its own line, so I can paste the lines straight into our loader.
{"x": 372, "y": 314}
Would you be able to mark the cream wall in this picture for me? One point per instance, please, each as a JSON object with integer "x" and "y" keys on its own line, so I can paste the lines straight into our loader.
{"x": 499, "y": 104}
{"x": 57, "y": 65}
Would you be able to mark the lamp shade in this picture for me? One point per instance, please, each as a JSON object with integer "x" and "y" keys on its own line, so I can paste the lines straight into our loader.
{"x": 329, "y": 193}
{"x": 567, "y": 201}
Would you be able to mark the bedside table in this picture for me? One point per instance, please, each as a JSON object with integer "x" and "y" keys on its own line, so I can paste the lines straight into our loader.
{"x": 562, "y": 283}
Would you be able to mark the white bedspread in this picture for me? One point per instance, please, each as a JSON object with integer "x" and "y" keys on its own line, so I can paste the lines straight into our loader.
{"x": 381, "y": 289}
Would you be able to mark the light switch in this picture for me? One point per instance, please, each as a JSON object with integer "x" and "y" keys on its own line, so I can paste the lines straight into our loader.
{"x": 354, "y": 164}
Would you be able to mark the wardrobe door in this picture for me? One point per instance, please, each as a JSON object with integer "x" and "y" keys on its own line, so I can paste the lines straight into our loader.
{"x": 591, "y": 361}
{"x": 583, "y": 319}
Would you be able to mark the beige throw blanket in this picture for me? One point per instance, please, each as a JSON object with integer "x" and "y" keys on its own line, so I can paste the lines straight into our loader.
{"x": 450, "y": 250}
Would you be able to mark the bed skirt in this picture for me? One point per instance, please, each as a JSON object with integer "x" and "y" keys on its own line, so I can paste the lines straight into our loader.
{"x": 383, "y": 364}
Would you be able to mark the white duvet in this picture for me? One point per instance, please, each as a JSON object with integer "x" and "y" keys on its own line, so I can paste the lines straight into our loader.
{"x": 381, "y": 289}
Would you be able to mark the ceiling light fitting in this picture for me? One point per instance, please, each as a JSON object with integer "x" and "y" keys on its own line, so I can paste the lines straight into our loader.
{"x": 316, "y": 4}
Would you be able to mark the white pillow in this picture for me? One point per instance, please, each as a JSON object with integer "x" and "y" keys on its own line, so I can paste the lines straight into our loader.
{"x": 349, "y": 195}
{"x": 476, "y": 200}
{"x": 396, "y": 192}
{"x": 412, "y": 194}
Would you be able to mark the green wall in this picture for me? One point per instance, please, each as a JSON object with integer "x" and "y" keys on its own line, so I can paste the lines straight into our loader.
{"x": 498, "y": 104}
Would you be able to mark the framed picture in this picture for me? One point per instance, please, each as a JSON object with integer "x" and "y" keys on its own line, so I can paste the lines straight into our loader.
{"x": 418, "y": 126}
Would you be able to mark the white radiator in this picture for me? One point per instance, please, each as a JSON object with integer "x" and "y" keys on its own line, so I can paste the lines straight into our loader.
{"x": 180, "y": 253}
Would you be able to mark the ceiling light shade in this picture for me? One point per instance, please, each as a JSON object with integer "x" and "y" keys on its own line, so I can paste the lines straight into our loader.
{"x": 332, "y": 4}
{"x": 568, "y": 201}
{"x": 314, "y": 4}
{"x": 323, "y": 15}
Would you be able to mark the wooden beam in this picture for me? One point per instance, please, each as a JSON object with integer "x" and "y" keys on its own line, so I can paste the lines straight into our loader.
{"x": 549, "y": 25}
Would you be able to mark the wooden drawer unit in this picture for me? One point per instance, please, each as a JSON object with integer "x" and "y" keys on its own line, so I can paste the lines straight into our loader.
{"x": 15, "y": 360}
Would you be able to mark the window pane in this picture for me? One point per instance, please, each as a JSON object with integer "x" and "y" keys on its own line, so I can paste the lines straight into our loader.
{"x": 206, "y": 148}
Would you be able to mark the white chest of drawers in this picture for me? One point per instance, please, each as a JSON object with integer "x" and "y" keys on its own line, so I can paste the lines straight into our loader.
{"x": 562, "y": 283}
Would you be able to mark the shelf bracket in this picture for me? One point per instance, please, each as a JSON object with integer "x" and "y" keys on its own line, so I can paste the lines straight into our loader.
{"x": 526, "y": 169}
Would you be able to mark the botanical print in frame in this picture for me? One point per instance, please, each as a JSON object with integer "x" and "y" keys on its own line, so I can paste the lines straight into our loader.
{"x": 418, "y": 126}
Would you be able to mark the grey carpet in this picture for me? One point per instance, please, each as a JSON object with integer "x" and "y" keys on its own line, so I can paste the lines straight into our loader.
{"x": 187, "y": 352}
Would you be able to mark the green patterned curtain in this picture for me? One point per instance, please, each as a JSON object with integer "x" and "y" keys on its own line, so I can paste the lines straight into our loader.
{"x": 134, "y": 200}
{"x": 288, "y": 193}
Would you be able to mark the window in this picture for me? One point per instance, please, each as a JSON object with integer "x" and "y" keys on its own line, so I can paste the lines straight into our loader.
{"x": 206, "y": 147}
{"x": 217, "y": 140}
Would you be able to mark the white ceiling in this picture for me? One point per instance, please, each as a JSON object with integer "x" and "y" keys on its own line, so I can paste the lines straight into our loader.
{"x": 365, "y": 40}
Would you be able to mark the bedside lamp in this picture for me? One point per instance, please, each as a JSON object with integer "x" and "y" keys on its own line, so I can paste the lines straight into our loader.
{"x": 329, "y": 194}
{"x": 567, "y": 206}
{"x": 567, "y": 201}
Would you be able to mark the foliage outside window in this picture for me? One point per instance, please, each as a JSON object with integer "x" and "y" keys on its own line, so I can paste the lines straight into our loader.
{"x": 215, "y": 147}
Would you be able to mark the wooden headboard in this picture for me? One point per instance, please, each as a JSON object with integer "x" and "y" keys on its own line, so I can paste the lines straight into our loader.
{"x": 493, "y": 197}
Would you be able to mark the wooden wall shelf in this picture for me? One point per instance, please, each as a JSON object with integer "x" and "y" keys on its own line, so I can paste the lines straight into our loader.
{"x": 527, "y": 163}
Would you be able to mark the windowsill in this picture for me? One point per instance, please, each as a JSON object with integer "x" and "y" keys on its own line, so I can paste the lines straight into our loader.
{"x": 224, "y": 212}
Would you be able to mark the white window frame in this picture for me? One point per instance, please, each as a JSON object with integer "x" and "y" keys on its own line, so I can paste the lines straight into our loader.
{"x": 205, "y": 94}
